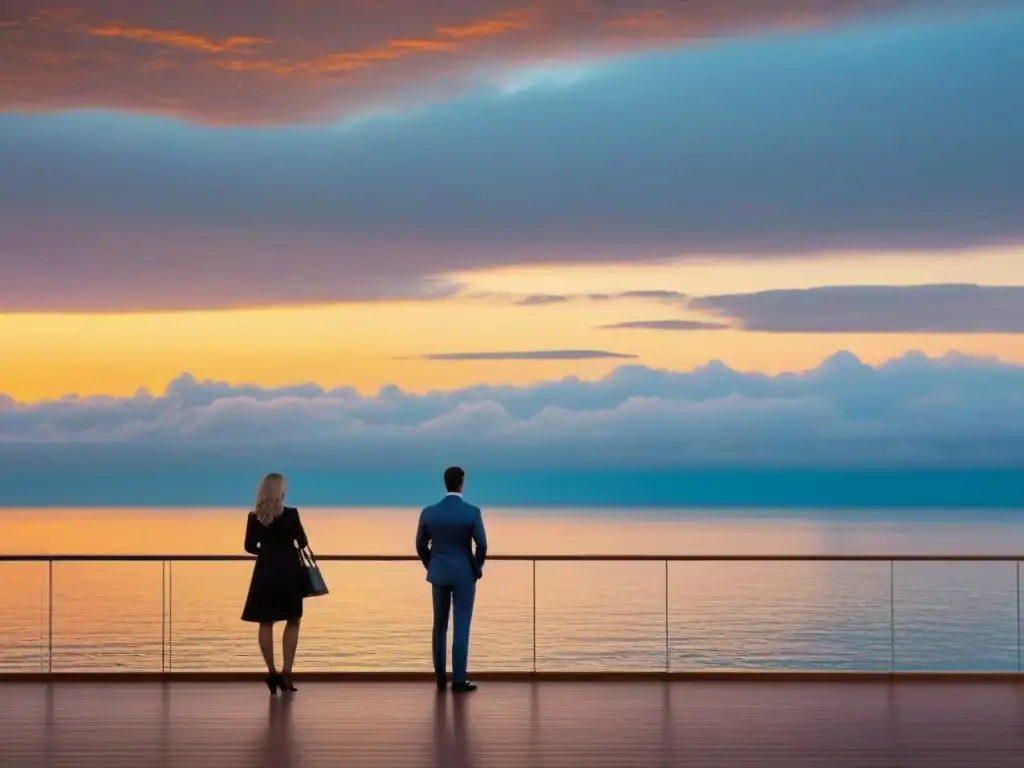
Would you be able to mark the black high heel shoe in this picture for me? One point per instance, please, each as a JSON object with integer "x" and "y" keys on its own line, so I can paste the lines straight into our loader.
{"x": 286, "y": 684}
{"x": 273, "y": 683}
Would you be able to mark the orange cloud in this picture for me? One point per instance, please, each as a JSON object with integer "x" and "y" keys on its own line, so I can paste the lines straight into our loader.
{"x": 510, "y": 21}
{"x": 423, "y": 45}
{"x": 654, "y": 19}
{"x": 348, "y": 61}
{"x": 292, "y": 61}
{"x": 176, "y": 39}
{"x": 337, "y": 62}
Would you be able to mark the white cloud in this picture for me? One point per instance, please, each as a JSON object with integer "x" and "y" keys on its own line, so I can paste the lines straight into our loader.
{"x": 914, "y": 410}
{"x": 553, "y": 76}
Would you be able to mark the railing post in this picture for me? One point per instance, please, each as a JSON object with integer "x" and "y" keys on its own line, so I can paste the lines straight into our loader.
{"x": 170, "y": 615}
{"x": 534, "y": 616}
{"x": 892, "y": 615}
{"x": 163, "y": 615}
{"x": 49, "y": 607}
{"x": 668, "y": 657}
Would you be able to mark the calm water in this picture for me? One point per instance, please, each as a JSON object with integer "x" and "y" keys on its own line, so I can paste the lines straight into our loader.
{"x": 587, "y": 615}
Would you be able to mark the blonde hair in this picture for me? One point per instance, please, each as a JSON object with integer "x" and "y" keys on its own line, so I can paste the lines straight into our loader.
{"x": 270, "y": 498}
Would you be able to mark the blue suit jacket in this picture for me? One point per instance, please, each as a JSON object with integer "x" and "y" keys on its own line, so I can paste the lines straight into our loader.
{"x": 445, "y": 538}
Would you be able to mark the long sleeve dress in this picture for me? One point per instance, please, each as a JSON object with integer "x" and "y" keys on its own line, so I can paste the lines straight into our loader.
{"x": 277, "y": 588}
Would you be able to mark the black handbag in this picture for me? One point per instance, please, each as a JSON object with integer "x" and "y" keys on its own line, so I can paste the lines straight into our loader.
{"x": 312, "y": 580}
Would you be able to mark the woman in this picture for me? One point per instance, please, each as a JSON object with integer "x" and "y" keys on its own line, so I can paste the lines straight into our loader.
{"x": 274, "y": 534}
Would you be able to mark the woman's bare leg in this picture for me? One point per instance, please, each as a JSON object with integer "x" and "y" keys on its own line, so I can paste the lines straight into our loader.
{"x": 290, "y": 643}
{"x": 266, "y": 638}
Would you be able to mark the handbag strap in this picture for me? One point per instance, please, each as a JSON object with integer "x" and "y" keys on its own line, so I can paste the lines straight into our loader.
{"x": 307, "y": 557}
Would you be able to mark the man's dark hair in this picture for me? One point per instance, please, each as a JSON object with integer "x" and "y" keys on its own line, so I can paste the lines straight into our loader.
{"x": 453, "y": 479}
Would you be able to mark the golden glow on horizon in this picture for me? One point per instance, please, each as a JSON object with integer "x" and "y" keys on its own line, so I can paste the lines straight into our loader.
{"x": 992, "y": 266}
{"x": 368, "y": 345}
{"x": 355, "y": 530}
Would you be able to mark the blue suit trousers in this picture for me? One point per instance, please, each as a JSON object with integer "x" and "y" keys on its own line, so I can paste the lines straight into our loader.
{"x": 462, "y": 597}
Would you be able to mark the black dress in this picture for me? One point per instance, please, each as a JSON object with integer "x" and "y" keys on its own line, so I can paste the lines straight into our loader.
{"x": 277, "y": 588}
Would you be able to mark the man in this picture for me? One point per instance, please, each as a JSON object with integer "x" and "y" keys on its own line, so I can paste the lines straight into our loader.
{"x": 444, "y": 542}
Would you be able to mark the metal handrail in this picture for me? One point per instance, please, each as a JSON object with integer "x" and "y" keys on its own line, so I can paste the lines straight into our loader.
{"x": 167, "y": 583}
{"x": 838, "y": 558}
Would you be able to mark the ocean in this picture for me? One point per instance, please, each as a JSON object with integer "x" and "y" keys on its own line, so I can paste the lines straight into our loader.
{"x": 587, "y": 615}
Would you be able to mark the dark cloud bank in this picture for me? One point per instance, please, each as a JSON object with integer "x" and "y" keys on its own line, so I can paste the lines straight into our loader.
{"x": 640, "y": 436}
{"x": 875, "y": 309}
{"x": 898, "y": 138}
{"x": 914, "y": 309}
{"x": 913, "y": 410}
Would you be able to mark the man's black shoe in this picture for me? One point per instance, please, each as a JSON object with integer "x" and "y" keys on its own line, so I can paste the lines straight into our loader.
{"x": 464, "y": 687}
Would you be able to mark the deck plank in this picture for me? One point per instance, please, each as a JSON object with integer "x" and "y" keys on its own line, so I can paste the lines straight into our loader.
{"x": 508, "y": 725}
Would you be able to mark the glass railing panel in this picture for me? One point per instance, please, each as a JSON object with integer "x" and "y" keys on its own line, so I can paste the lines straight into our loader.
{"x": 107, "y": 617}
{"x": 205, "y": 631}
{"x": 956, "y": 616}
{"x": 23, "y": 617}
{"x": 377, "y": 617}
{"x": 779, "y": 615}
{"x": 606, "y": 616}
{"x": 588, "y": 616}
{"x": 502, "y": 629}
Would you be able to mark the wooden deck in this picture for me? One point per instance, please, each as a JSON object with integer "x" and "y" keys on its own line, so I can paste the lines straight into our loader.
{"x": 546, "y": 724}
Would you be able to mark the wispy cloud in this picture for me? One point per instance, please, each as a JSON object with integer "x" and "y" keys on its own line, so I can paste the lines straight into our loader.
{"x": 666, "y": 325}
{"x": 515, "y": 20}
{"x": 545, "y": 299}
{"x": 541, "y": 300}
{"x": 671, "y": 297}
{"x": 538, "y": 354}
{"x": 447, "y": 39}
{"x": 177, "y": 39}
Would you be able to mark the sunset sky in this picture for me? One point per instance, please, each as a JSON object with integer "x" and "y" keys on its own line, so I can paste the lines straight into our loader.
{"x": 443, "y": 196}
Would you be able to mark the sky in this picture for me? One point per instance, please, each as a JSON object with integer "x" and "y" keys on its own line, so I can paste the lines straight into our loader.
{"x": 590, "y": 233}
